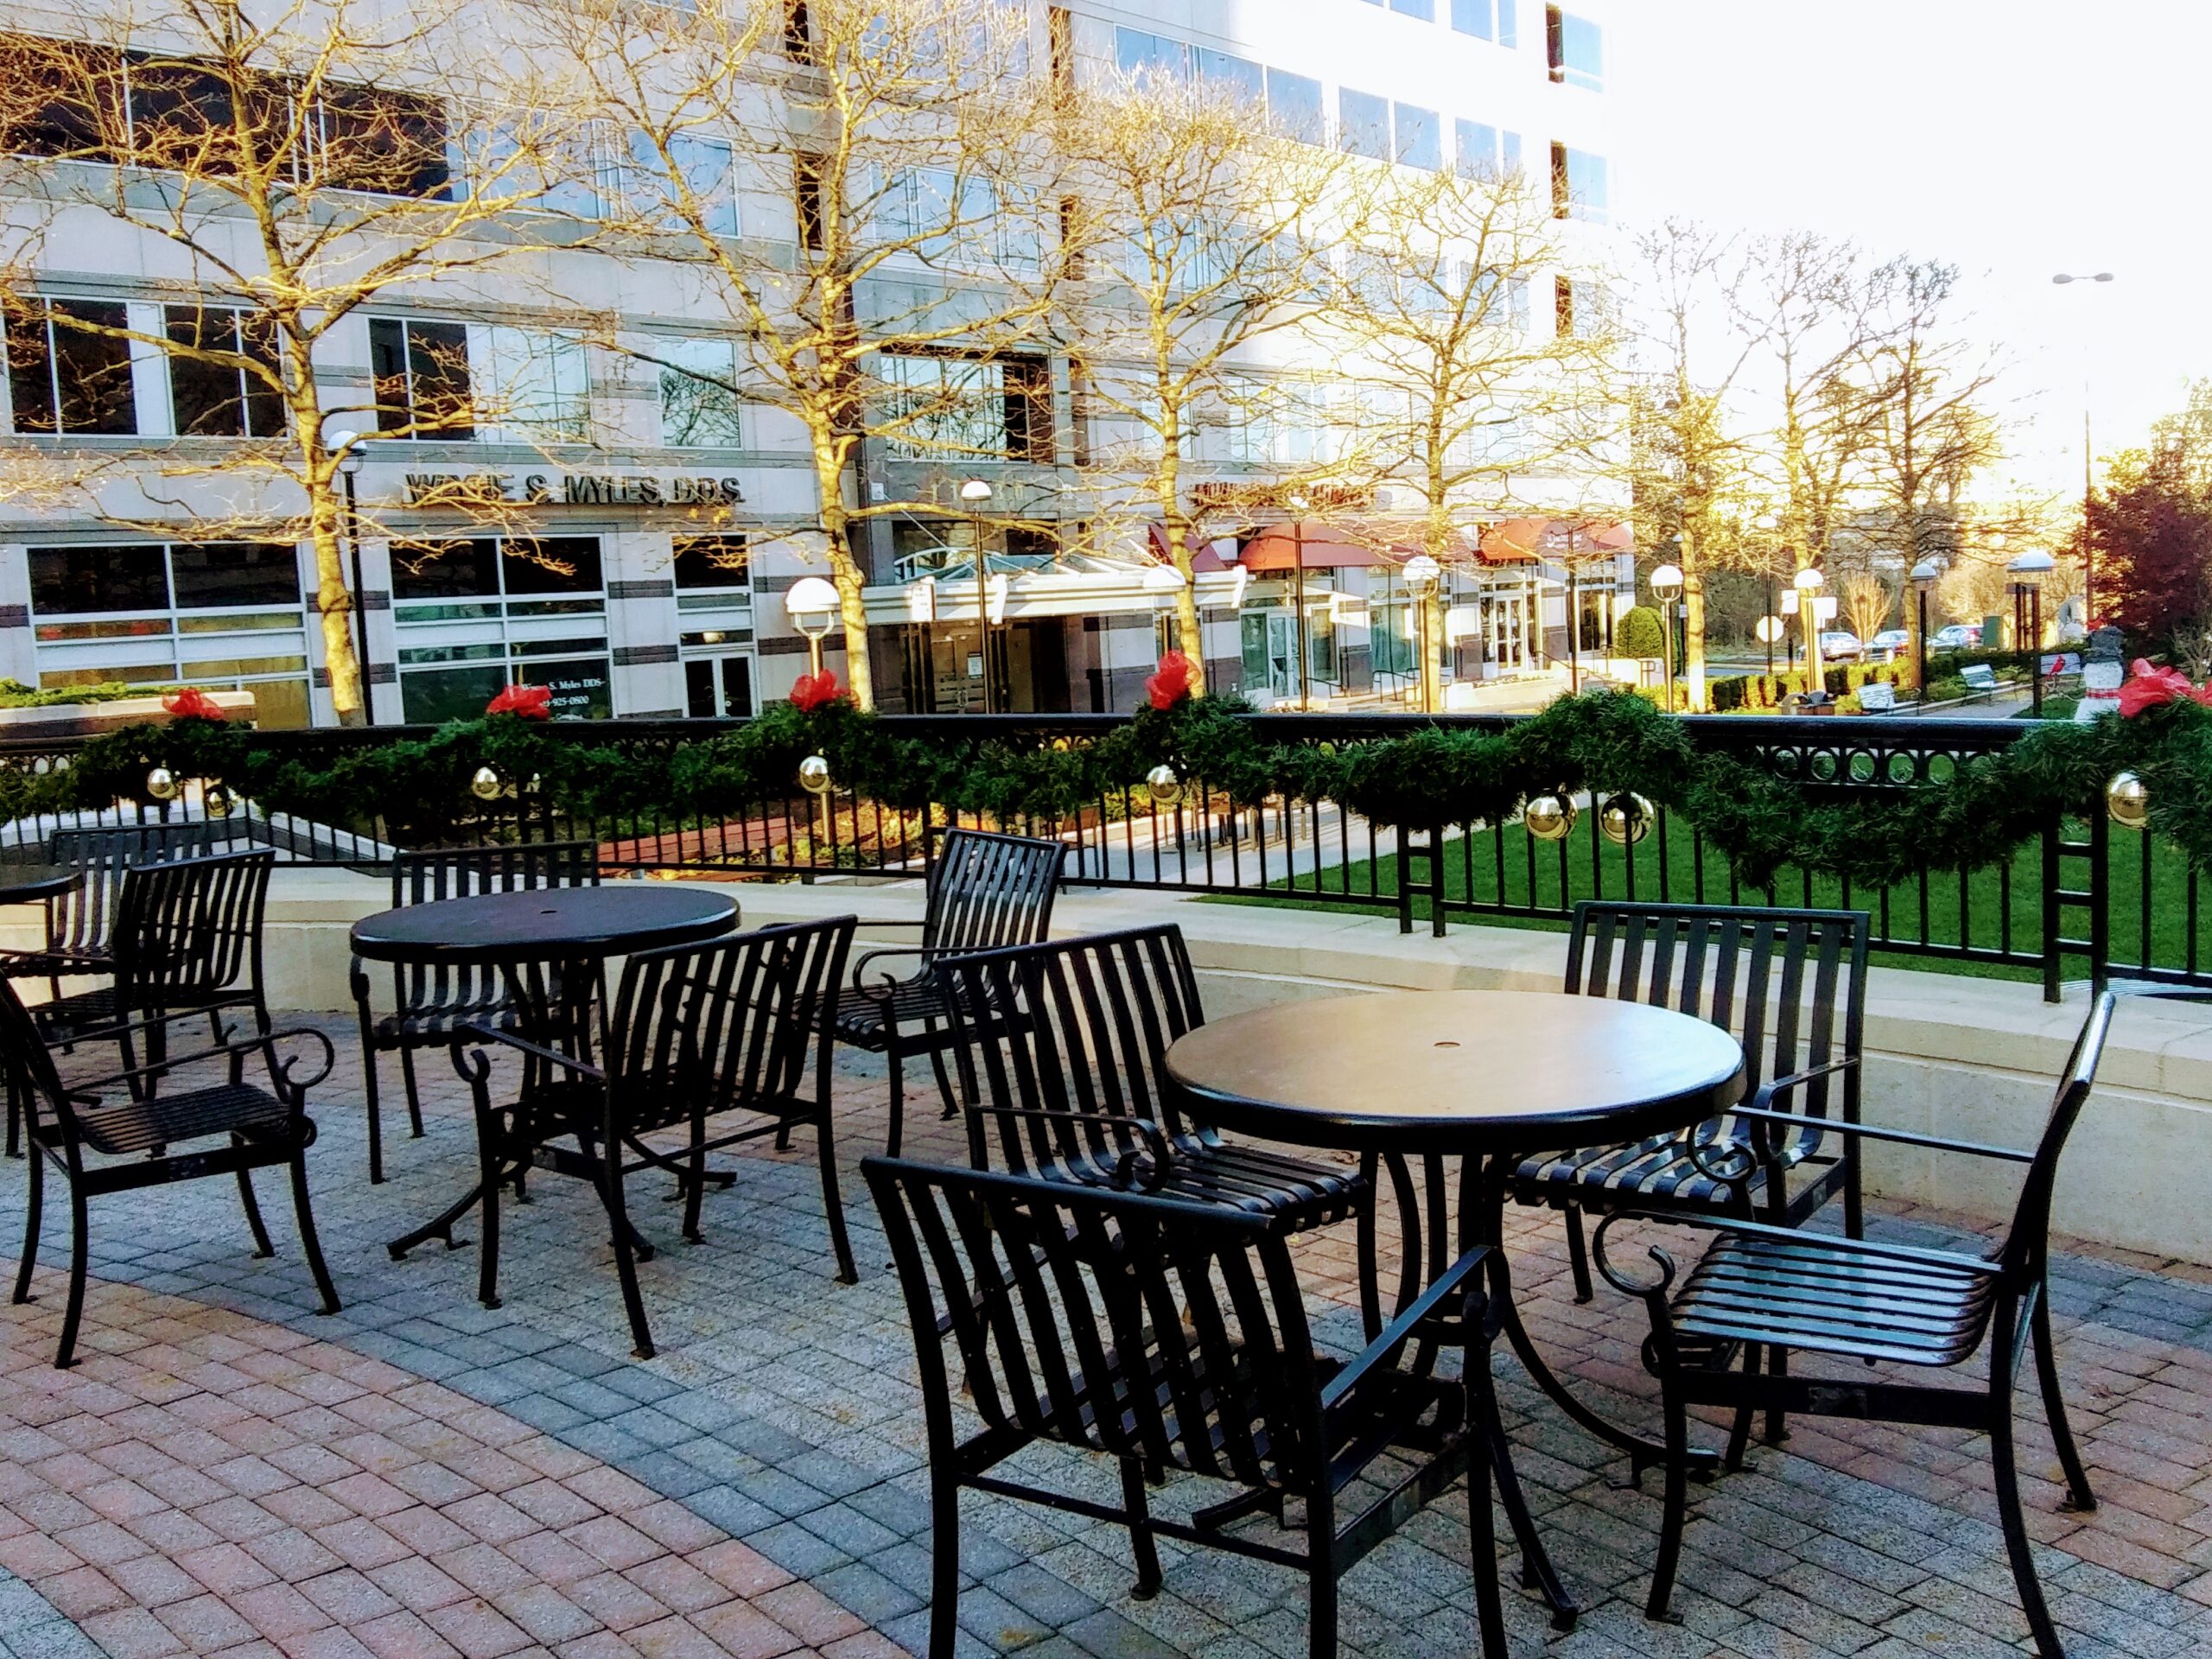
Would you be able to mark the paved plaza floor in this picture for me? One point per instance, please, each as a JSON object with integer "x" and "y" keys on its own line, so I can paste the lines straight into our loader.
{"x": 228, "y": 1472}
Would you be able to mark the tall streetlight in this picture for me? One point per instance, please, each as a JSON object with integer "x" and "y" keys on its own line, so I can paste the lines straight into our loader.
{"x": 1665, "y": 586}
{"x": 975, "y": 493}
{"x": 2089, "y": 475}
{"x": 1808, "y": 583}
{"x": 1163, "y": 585}
{"x": 346, "y": 446}
{"x": 1770, "y": 628}
{"x": 1422, "y": 575}
{"x": 811, "y": 604}
{"x": 1923, "y": 582}
{"x": 1298, "y": 504}
{"x": 2027, "y": 573}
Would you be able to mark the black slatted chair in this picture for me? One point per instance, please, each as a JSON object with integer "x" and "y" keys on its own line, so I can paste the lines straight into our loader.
{"x": 152, "y": 1139}
{"x": 1061, "y": 1047}
{"x": 1167, "y": 1334}
{"x": 1793, "y": 984}
{"x": 696, "y": 1032}
{"x": 1763, "y": 1287}
{"x": 79, "y": 924}
{"x": 985, "y": 891}
{"x": 186, "y": 942}
{"x": 430, "y": 1002}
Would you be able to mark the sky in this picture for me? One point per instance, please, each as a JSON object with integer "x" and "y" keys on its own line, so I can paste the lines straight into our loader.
{"x": 2014, "y": 139}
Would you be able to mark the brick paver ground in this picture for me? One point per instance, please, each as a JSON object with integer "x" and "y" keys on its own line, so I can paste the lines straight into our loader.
{"x": 228, "y": 1472}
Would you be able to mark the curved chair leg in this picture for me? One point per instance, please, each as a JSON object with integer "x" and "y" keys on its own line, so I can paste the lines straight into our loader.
{"x": 1320, "y": 1578}
{"x": 262, "y": 1246}
{"x": 945, "y": 1090}
{"x": 1778, "y": 1365}
{"x": 370, "y": 1096}
{"x": 1578, "y": 1253}
{"x": 311, "y": 1246}
{"x": 2078, "y": 1494}
{"x": 2004, "y": 1470}
{"x": 695, "y": 1189}
{"x": 1739, "y": 1435}
{"x": 1660, "y": 1606}
{"x": 33, "y": 1214}
{"x": 414, "y": 1093}
{"x": 488, "y": 1148}
{"x": 66, "y": 1354}
{"x": 15, "y": 1121}
{"x": 1141, "y": 1545}
{"x": 625, "y": 1256}
{"x": 896, "y": 1061}
{"x": 1482, "y": 1525}
{"x": 944, "y": 1563}
{"x": 825, "y": 1154}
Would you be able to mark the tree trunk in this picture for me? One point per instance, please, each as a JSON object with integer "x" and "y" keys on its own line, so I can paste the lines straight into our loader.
{"x": 1190, "y": 627}
{"x": 335, "y": 600}
{"x": 845, "y": 576}
{"x": 1692, "y": 628}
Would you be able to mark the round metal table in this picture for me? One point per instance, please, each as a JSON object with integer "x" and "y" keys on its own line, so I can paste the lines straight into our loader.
{"x": 26, "y": 884}
{"x": 1488, "y": 1076}
{"x": 572, "y": 931}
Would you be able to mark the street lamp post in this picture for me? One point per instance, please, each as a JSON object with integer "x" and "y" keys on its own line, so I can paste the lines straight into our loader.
{"x": 1808, "y": 583}
{"x": 1666, "y": 586}
{"x": 1923, "y": 581}
{"x": 2027, "y": 573}
{"x": 2089, "y": 473}
{"x": 1769, "y": 628}
{"x": 1422, "y": 575}
{"x": 1297, "y": 504}
{"x": 975, "y": 492}
{"x": 811, "y": 604}
{"x": 346, "y": 446}
{"x": 1163, "y": 585}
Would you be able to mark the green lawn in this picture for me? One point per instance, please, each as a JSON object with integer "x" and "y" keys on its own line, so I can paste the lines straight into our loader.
{"x": 1512, "y": 869}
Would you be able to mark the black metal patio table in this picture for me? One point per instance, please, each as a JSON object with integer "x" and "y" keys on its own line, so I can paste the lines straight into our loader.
{"x": 543, "y": 937}
{"x": 1487, "y": 1077}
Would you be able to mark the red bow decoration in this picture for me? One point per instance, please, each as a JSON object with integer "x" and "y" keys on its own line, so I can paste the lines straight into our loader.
{"x": 811, "y": 691}
{"x": 2151, "y": 688}
{"x": 531, "y": 702}
{"x": 1171, "y": 684}
{"x": 193, "y": 703}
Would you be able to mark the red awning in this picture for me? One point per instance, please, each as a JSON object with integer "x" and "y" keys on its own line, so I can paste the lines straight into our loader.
{"x": 1202, "y": 557}
{"x": 1316, "y": 547}
{"x": 1517, "y": 541}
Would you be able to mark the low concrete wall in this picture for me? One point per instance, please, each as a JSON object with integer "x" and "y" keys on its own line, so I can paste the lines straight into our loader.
{"x": 1974, "y": 1058}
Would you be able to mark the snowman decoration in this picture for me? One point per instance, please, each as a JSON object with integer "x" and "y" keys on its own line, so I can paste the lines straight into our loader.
{"x": 2102, "y": 673}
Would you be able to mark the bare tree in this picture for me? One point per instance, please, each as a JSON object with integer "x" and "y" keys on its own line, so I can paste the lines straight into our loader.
{"x": 895, "y": 291}
{"x": 1471, "y": 401}
{"x": 1201, "y": 234}
{"x": 285, "y": 165}
{"x": 1867, "y": 600}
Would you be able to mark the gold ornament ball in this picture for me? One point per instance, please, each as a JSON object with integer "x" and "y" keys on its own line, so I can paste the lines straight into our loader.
{"x": 1626, "y": 819}
{"x": 486, "y": 785}
{"x": 2128, "y": 800}
{"x": 216, "y": 800}
{"x": 160, "y": 784}
{"x": 1549, "y": 818}
{"x": 814, "y": 775}
{"x": 1166, "y": 788}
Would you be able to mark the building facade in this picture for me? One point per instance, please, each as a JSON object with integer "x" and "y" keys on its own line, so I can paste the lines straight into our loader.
{"x": 620, "y": 532}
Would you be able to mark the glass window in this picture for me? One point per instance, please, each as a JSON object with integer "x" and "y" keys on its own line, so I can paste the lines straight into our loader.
{"x": 712, "y": 561}
{"x": 1508, "y": 31}
{"x": 1473, "y": 18}
{"x": 1508, "y": 152}
{"x": 81, "y": 580}
{"x": 1578, "y": 185}
{"x": 1138, "y": 54}
{"x": 62, "y": 98}
{"x": 539, "y": 384}
{"x": 392, "y": 143}
{"x": 1421, "y": 136}
{"x": 1246, "y": 76}
{"x": 1364, "y": 123}
{"x": 1576, "y": 48}
{"x": 718, "y": 687}
{"x": 1295, "y": 106}
{"x": 69, "y": 367}
{"x": 553, "y": 564}
{"x": 1424, "y": 9}
{"x": 705, "y": 168}
{"x": 698, "y": 394}
{"x": 1476, "y": 147}
{"x": 455, "y": 570}
{"x": 212, "y": 574}
{"x": 213, "y": 400}
{"x": 420, "y": 370}
{"x": 941, "y": 406}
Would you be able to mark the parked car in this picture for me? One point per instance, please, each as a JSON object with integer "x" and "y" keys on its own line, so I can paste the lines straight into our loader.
{"x": 1839, "y": 644}
{"x": 1889, "y": 641}
{"x": 1958, "y": 636}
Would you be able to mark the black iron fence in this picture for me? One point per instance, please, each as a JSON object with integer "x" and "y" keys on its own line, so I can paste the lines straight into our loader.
{"x": 2078, "y": 900}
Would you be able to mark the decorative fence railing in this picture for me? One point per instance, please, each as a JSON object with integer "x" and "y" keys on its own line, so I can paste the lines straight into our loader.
{"x": 2080, "y": 899}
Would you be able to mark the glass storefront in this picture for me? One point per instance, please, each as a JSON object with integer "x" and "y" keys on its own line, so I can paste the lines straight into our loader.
{"x": 475, "y": 614}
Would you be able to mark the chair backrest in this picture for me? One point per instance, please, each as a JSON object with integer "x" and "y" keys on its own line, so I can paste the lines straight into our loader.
{"x": 1070, "y": 1026}
{"x": 722, "y": 1025}
{"x": 987, "y": 890}
{"x": 83, "y": 919}
{"x": 458, "y": 872}
{"x": 188, "y": 928}
{"x": 2028, "y": 1241}
{"x": 27, "y": 1061}
{"x": 1113, "y": 1321}
{"x": 1793, "y": 982}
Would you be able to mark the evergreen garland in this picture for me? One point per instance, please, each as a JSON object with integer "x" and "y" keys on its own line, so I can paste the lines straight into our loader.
{"x": 1602, "y": 741}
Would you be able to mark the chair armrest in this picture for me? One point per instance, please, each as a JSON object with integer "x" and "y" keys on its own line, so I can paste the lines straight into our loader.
{"x": 1156, "y": 1141}
{"x": 1773, "y": 1086}
{"x": 890, "y": 921}
{"x": 507, "y": 1038}
{"x": 115, "y": 1028}
{"x": 860, "y": 962}
{"x": 237, "y": 1051}
{"x": 1904, "y": 1137}
{"x": 1394, "y": 1334}
{"x": 1656, "y": 1293}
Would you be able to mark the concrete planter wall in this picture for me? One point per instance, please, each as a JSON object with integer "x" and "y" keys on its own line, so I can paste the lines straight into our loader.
{"x": 86, "y": 719}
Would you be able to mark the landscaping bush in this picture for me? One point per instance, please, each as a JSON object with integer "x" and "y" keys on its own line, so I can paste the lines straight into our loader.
{"x": 1639, "y": 633}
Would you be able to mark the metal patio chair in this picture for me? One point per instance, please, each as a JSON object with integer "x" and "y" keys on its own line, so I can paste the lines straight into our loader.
{"x": 1760, "y": 1287}
{"x": 186, "y": 942}
{"x": 80, "y": 922}
{"x": 985, "y": 891}
{"x": 429, "y": 1004}
{"x": 1061, "y": 1047}
{"x": 100, "y": 1146}
{"x": 1163, "y": 1334}
{"x": 1793, "y": 983}
{"x": 695, "y": 1032}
